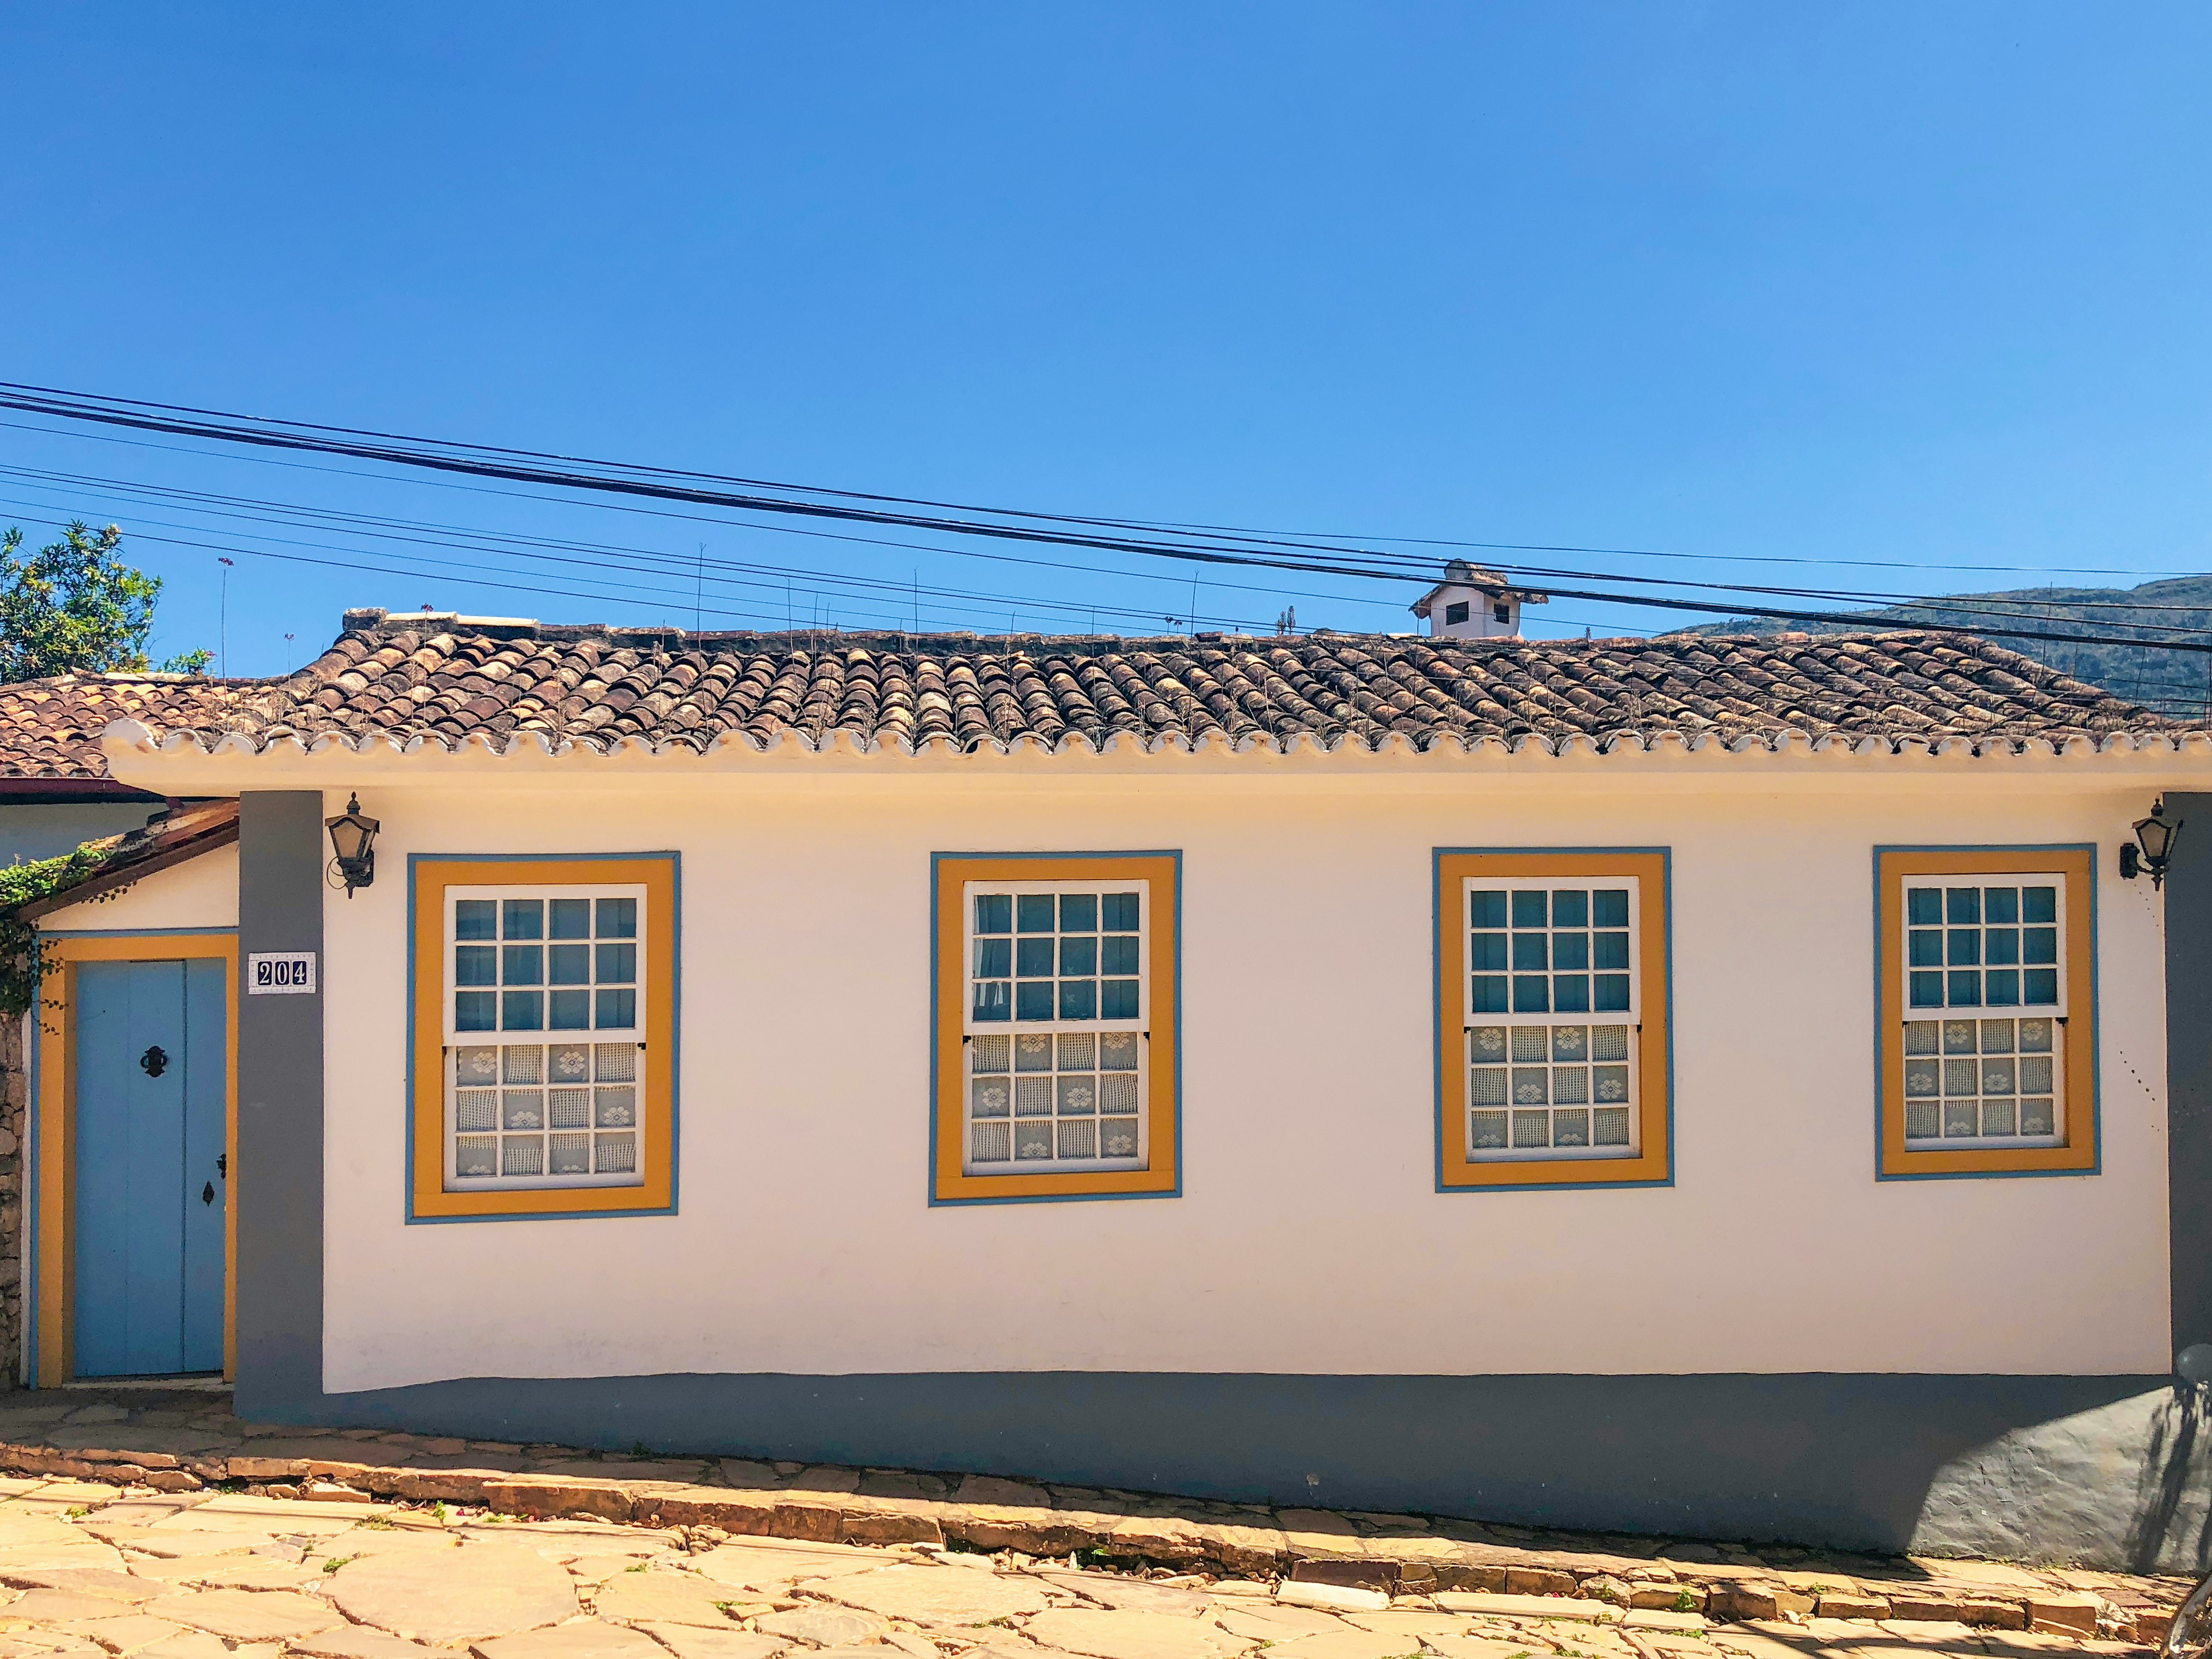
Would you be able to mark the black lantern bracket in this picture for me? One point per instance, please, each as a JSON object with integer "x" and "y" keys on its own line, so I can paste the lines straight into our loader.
{"x": 2152, "y": 849}
{"x": 353, "y": 843}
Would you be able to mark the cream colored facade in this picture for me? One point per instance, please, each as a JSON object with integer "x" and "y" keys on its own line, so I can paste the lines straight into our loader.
{"x": 200, "y": 893}
{"x": 1309, "y": 1237}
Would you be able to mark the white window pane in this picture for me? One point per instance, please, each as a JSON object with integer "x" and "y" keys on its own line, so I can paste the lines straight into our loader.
{"x": 1555, "y": 967}
{"x": 522, "y": 1112}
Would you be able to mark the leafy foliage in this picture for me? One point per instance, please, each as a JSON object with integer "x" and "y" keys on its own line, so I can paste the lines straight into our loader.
{"x": 22, "y": 958}
{"x": 75, "y": 607}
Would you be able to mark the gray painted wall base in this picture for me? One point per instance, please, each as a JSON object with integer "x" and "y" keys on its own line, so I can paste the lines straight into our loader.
{"x": 2108, "y": 1472}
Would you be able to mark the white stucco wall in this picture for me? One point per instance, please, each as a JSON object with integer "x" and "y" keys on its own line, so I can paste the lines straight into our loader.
{"x": 201, "y": 892}
{"x": 1309, "y": 1238}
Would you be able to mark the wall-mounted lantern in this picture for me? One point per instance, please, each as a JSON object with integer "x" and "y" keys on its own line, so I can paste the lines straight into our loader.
{"x": 353, "y": 839}
{"x": 2152, "y": 848}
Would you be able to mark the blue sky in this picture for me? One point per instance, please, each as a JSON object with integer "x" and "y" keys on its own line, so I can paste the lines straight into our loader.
{"x": 1924, "y": 286}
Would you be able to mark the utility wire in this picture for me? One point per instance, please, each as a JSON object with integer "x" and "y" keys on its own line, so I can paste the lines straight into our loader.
{"x": 1312, "y": 540}
{"x": 420, "y": 452}
{"x": 873, "y": 586}
{"x": 255, "y": 507}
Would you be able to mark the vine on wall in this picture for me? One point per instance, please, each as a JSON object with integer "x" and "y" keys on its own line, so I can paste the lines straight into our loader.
{"x": 22, "y": 958}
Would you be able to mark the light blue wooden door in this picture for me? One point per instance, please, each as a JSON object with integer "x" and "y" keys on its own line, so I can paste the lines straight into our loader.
{"x": 151, "y": 1173}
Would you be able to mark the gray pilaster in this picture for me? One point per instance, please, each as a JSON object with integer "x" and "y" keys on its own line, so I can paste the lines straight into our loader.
{"x": 278, "y": 1172}
{"x": 2189, "y": 1067}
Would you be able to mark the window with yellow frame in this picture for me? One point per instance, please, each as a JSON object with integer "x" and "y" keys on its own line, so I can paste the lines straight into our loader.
{"x": 545, "y": 1049}
{"x": 1986, "y": 1034}
{"x": 1552, "y": 1001}
{"x": 1056, "y": 1073}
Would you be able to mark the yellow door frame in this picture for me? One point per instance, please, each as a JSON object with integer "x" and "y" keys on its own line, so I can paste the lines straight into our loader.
{"x": 54, "y": 1238}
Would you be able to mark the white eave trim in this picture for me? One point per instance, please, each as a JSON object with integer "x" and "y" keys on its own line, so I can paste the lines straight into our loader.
{"x": 178, "y": 764}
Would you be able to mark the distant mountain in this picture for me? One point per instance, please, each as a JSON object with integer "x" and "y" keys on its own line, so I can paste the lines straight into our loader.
{"x": 2176, "y": 682}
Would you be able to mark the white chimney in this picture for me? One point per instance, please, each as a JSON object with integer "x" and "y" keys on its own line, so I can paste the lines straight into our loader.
{"x": 1470, "y": 604}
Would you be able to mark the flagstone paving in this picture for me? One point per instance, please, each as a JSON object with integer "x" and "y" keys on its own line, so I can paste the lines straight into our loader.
{"x": 522, "y": 1556}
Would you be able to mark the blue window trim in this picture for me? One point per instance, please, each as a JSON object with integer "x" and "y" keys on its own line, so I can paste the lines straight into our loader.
{"x": 936, "y": 861}
{"x": 1882, "y": 968}
{"x": 1437, "y": 856}
{"x": 675, "y": 1044}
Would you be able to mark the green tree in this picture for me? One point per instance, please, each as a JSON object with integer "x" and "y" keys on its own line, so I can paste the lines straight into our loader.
{"x": 75, "y": 607}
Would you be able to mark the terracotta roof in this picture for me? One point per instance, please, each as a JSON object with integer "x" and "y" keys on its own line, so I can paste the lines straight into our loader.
{"x": 447, "y": 681}
{"x": 50, "y": 729}
{"x": 131, "y": 858}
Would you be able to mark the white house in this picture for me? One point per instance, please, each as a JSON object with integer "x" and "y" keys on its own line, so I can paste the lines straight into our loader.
{"x": 1701, "y": 1085}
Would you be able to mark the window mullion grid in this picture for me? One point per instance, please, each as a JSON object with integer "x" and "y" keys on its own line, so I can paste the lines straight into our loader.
{"x": 563, "y": 1106}
{"x": 1061, "y": 1091}
{"x": 1545, "y": 1080}
{"x": 1986, "y": 1064}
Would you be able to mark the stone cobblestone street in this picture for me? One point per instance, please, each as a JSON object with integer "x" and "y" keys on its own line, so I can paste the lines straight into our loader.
{"x": 163, "y": 1526}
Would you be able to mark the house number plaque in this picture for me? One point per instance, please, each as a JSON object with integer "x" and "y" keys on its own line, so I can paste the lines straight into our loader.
{"x": 280, "y": 973}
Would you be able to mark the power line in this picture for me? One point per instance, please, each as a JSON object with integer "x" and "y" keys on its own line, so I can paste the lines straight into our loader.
{"x": 621, "y": 478}
{"x": 87, "y": 403}
{"x": 628, "y": 508}
{"x": 1829, "y": 595}
{"x": 879, "y": 587}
